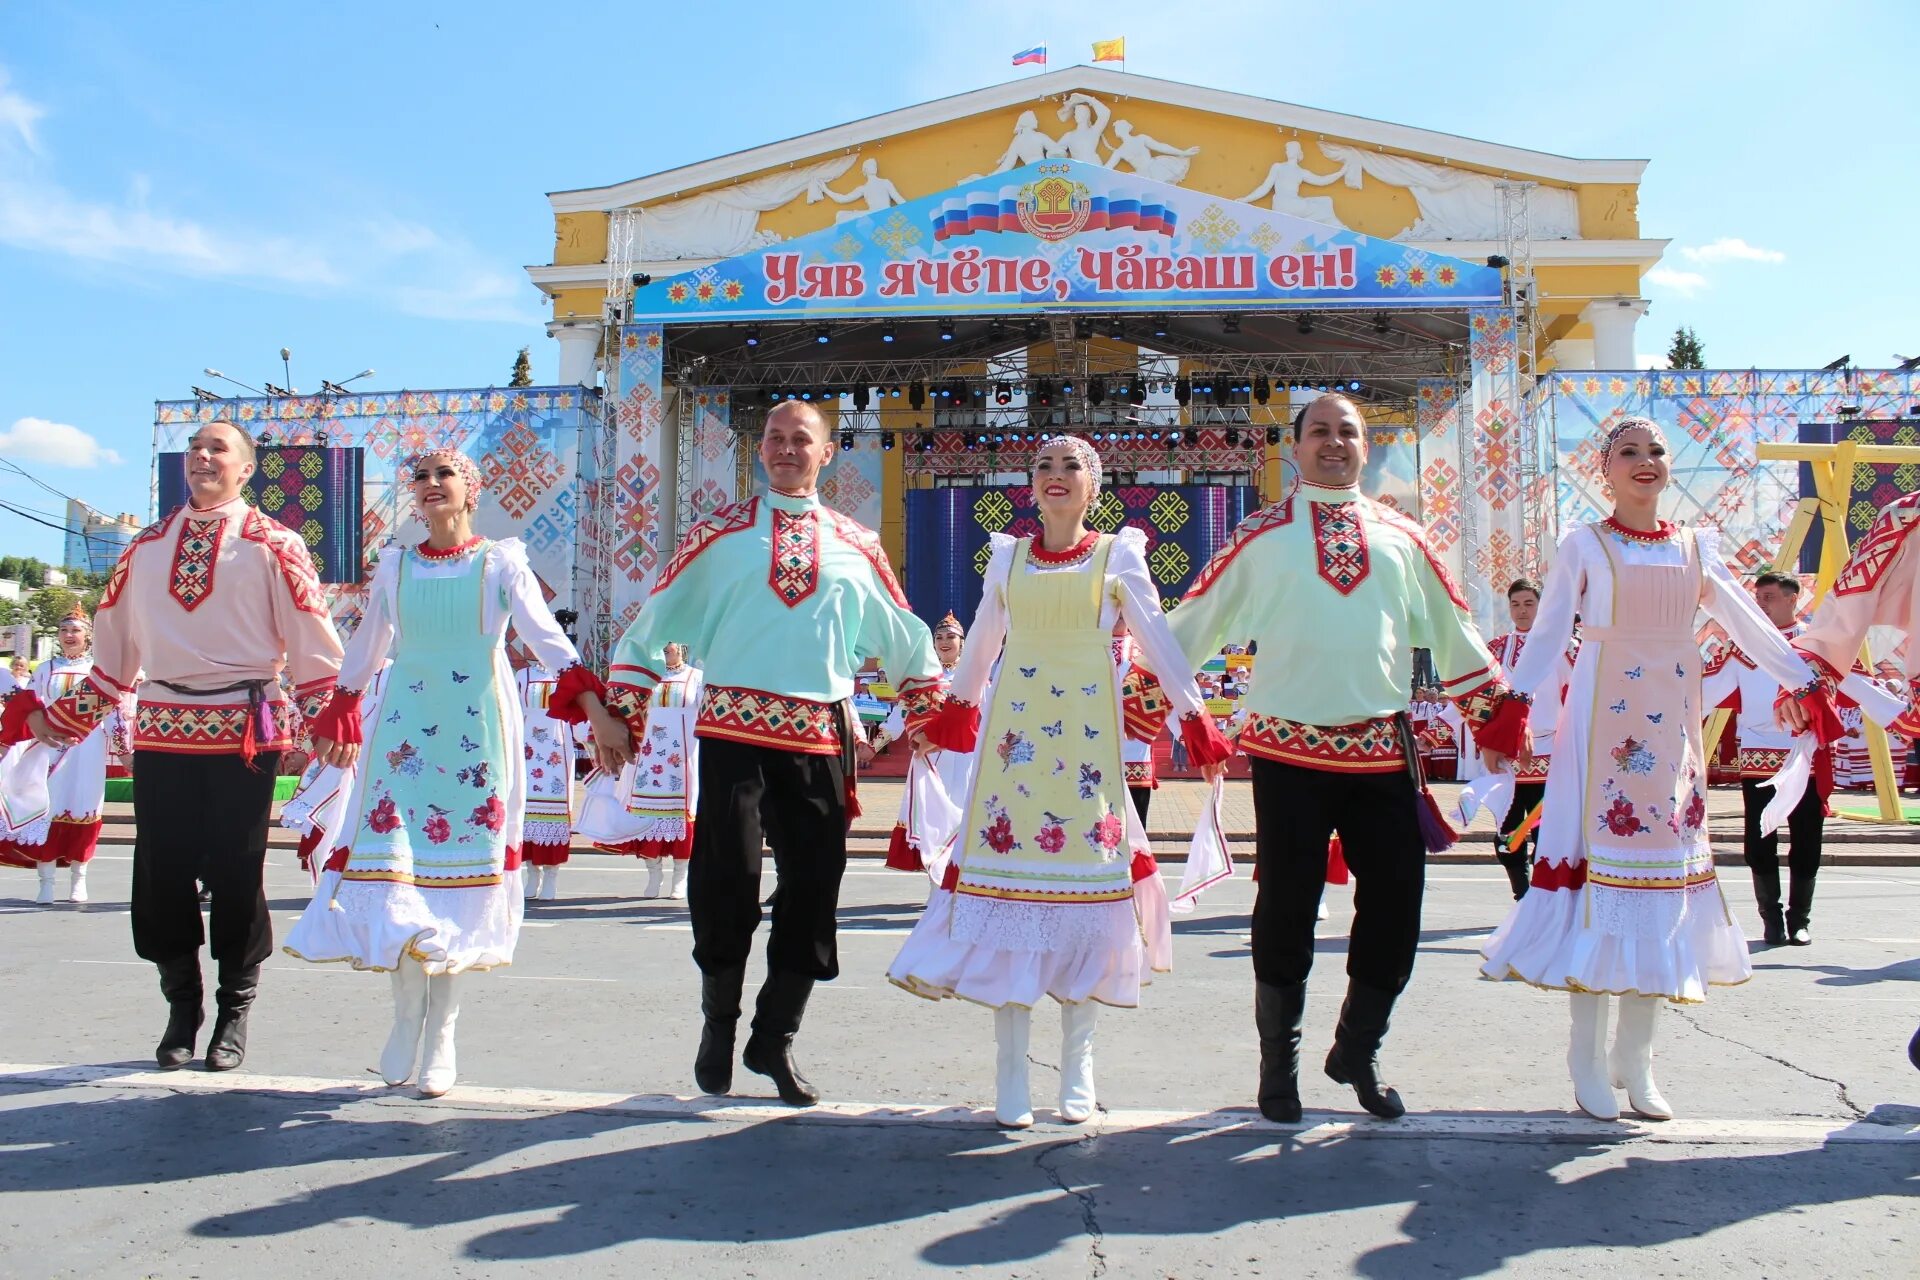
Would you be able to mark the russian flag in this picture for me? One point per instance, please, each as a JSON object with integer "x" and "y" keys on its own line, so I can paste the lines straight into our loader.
{"x": 1036, "y": 56}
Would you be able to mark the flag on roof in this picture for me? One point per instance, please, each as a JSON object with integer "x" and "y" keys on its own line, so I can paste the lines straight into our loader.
{"x": 1110, "y": 50}
{"x": 1036, "y": 56}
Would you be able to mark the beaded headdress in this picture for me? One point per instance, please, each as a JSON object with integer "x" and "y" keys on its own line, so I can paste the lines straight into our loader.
{"x": 1621, "y": 428}
{"x": 468, "y": 470}
{"x": 1089, "y": 459}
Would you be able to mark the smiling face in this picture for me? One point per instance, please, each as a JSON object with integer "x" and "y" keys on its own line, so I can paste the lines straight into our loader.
{"x": 20, "y": 669}
{"x": 439, "y": 488}
{"x": 676, "y": 655}
{"x": 73, "y": 637}
{"x": 1638, "y": 464}
{"x": 219, "y": 460}
{"x": 795, "y": 446}
{"x": 947, "y": 644}
{"x": 1331, "y": 445}
{"x": 1062, "y": 485}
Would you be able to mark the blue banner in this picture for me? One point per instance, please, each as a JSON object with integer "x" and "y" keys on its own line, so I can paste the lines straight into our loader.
{"x": 1065, "y": 235}
{"x": 312, "y": 490}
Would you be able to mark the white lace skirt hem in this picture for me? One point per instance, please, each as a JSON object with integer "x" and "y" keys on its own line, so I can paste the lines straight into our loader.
{"x": 375, "y": 925}
{"x": 1547, "y": 941}
{"x": 936, "y": 965}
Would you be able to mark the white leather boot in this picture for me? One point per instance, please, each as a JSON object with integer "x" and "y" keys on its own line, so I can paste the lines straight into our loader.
{"x": 549, "y": 883}
{"x": 48, "y": 873}
{"x": 1076, "y": 1060}
{"x": 655, "y": 867}
{"x": 1587, "y": 1057}
{"x": 530, "y": 881}
{"x": 443, "y": 1007}
{"x": 1632, "y": 1058}
{"x": 77, "y": 889}
{"x": 410, "y": 985}
{"x": 1012, "y": 1106}
{"x": 676, "y": 878}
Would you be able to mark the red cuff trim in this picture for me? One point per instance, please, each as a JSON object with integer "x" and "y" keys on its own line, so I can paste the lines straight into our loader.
{"x": 1144, "y": 867}
{"x": 1820, "y": 665}
{"x": 956, "y": 727}
{"x": 1203, "y": 741}
{"x": 340, "y": 720}
{"x": 1506, "y": 732}
{"x": 13, "y": 719}
{"x": 1823, "y": 718}
{"x": 902, "y": 856}
{"x": 1559, "y": 875}
{"x": 564, "y": 702}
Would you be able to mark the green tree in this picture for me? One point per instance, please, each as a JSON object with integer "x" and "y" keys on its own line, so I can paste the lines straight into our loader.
{"x": 49, "y": 605}
{"x": 1686, "y": 351}
{"x": 522, "y": 369}
{"x": 24, "y": 570}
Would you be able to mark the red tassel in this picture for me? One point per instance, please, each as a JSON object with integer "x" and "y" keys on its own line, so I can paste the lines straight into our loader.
{"x": 853, "y": 802}
{"x": 249, "y": 743}
{"x": 1337, "y": 872}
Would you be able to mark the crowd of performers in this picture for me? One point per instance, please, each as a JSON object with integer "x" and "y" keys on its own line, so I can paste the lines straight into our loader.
{"x": 439, "y": 796}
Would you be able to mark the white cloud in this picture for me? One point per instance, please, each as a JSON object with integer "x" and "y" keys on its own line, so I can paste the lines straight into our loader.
{"x": 19, "y": 114}
{"x": 55, "y": 444}
{"x": 1731, "y": 249}
{"x": 1684, "y": 283}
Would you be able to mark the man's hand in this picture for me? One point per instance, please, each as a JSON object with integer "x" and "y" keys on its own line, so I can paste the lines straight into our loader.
{"x": 612, "y": 744}
{"x": 1496, "y": 762}
{"x": 921, "y": 744}
{"x": 863, "y": 752}
{"x": 340, "y": 755}
{"x": 45, "y": 734}
{"x": 1790, "y": 715}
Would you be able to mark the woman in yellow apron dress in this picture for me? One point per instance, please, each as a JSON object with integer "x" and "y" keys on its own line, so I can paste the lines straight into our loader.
{"x": 1052, "y": 890}
{"x": 1624, "y": 901}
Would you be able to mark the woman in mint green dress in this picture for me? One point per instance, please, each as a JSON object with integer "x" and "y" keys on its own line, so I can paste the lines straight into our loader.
{"x": 425, "y": 881}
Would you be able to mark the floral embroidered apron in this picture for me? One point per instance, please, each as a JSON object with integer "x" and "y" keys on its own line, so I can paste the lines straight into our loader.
{"x": 432, "y": 812}
{"x": 1043, "y": 820}
{"x": 1646, "y": 798}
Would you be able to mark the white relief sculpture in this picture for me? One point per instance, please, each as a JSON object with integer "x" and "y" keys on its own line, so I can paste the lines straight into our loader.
{"x": 725, "y": 222}
{"x": 1455, "y": 204}
{"x": 1029, "y": 145}
{"x": 1083, "y": 141}
{"x": 1148, "y": 156}
{"x": 877, "y": 193}
{"x": 1284, "y": 181}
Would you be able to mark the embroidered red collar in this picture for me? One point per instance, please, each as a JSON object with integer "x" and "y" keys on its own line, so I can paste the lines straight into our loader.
{"x": 1072, "y": 555}
{"x": 448, "y": 553}
{"x": 1662, "y": 534}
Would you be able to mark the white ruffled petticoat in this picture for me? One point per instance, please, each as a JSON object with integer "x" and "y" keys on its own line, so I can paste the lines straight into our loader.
{"x": 374, "y": 924}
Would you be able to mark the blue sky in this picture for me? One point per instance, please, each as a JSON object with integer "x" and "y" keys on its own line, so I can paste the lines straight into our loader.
{"x": 184, "y": 186}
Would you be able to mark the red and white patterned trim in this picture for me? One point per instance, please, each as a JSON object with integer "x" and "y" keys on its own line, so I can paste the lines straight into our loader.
{"x": 1139, "y": 773}
{"x": 291, "y": 554}
{"x": 795, "y": 572}
{"x": 78, "y": 712}
{"x": 1762, "y": 762}
{"x": 763, "y": 719}
{"x": 868, "y": 544}
{"x": 1532, "y": 769}
{"x": 1869, "y": 561}
{"x": 1144, "y": 705}
{"x": 195, "y": 555}
{"x": 1367, "y": 746}
{"x": 1273, "y": 516}
{"x": 198, "y": 729}
{"x": 1340, "y": 545}
{"x": 920, "y": 702}
{"x": 731, "y": 518}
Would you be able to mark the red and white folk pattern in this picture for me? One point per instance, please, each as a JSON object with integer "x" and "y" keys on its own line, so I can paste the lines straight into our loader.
{"x": 1761, "y": 762}
{"x": 795, "y": 574}
{"x": 728, "y": 519}
{"x": 1368, "y": 746}
{"x": 1273, "y": 516}
{"x": 1340, "y": 541}
{"x": 1144, "y": 705}
{"x": 194, "y": 555}
{"x": 1877, "y": 550}
{"x": 867, "y": 543}
{"x": 295, "y": 561}
{"x": 203, "y": 730}
{"x": 763, "y": 719}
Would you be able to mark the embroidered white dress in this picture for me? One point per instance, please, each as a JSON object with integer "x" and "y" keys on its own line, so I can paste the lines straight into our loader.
{"x": 66, "y": 829}
{"x": 1053, "y": 891}
{"x": 659, "y": 790}
{"x": 547, "y": 831}
{"x": 1624, "y": 898}
{"x": 427, "y": 863}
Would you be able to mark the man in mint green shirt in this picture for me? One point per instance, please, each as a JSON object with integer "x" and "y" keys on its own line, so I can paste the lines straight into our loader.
{"x": 785, "y": 600}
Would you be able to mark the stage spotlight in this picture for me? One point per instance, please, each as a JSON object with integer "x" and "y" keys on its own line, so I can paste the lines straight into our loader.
{"x": 804, "y": 395}
{"x": 1159, "y": 327}
{"x": 1042, "y": 393}
{"x": 1262, "y": 389}
{"x": 1096, "y": 391}
{"x": 946, "y": 331}
{"x": 996, "y": 329}
{"x": 1066, "y": 387}
{"x": 1304, "y": 324}
{"x": 1034, "y": 329}
{"x": 893, "y": 392}
{"x": 886, "y": 441}
{"x": 926, "y": 443}
{"x": 821, "y": 335}
{"x": 641, "y": 279}
{"x": 1354, "y": 385}
{"x": 1082, "y": 328}
{"x": 1174, "y": 437}
{"x": 1116, "y": 328}
{"x": 1203, "y": 383}
{"x": 860, "y": 397}
{"x": 846, "y": 439}
{"x": 1002, "y": 394}
{"x": 1183, "y": 390}
{"x": 1233, "y": 437}
{"x": 887, "y": 333}
{"x": 1229, "y": 324}
{"x": 1498, "y": 260}
{"x": 1382, "y": 325}
{"x": 753, "y": 335}
{"x": 1273, "y": 435}
{"x": 1837, "y": 365}
{"x": 917, "y": 395}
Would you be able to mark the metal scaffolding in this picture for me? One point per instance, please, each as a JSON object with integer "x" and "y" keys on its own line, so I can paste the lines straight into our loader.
{"x": 1539, "y": 521}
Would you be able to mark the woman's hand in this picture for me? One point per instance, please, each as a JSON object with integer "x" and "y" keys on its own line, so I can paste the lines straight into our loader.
{"x": 612, "y": 744}
{"x": 340, "y": 755}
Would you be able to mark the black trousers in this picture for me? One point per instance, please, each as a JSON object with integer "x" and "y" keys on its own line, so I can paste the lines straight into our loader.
{"x": 1296, "y": 811}
{"x": 1806, "y": 828}
{"x": 797, "y": 805}
{"x": 1142, "y": 801}
{"x": 1525, "y": 796}
{"x": 201, "y": 818}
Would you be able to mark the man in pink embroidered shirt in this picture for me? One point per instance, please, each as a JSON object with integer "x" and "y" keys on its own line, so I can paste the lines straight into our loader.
{"x": 206, "y": 607}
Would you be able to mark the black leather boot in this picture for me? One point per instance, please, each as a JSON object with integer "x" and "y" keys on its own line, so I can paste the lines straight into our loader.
{"x": 1766, "y": 895}
{"x": 720, "y": 1007}
{"x": 180, "y": 984}
{"x": 1354, "y": 1059}
{"x": 1277, "y": 1011}
{"x": 232, "y": 998}
{"x": 1799, "y": 908}
{"x": 776, "y": 1020}
{"x": 1517, "y": 872}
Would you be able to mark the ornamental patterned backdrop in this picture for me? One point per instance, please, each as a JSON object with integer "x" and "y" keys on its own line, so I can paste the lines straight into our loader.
{"x": 1873, "y": 486}
{"x": 640, "y": 466}
{"x": 527, "y": 442}
{"x": 948, "y": 546}
{"x": 1713, "y": 421}
{"x": 316, "y": 492}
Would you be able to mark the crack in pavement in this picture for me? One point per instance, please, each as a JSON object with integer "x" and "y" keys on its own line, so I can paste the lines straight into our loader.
{"x": 1839, "y": 1086}
{"x": 1089, "y": 1206}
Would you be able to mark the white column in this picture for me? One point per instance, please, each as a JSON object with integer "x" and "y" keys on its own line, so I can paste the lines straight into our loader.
{"x": 1613, "y": 321}
{"x": 579, "y": 346}
{"x": 1573, "y": 353}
